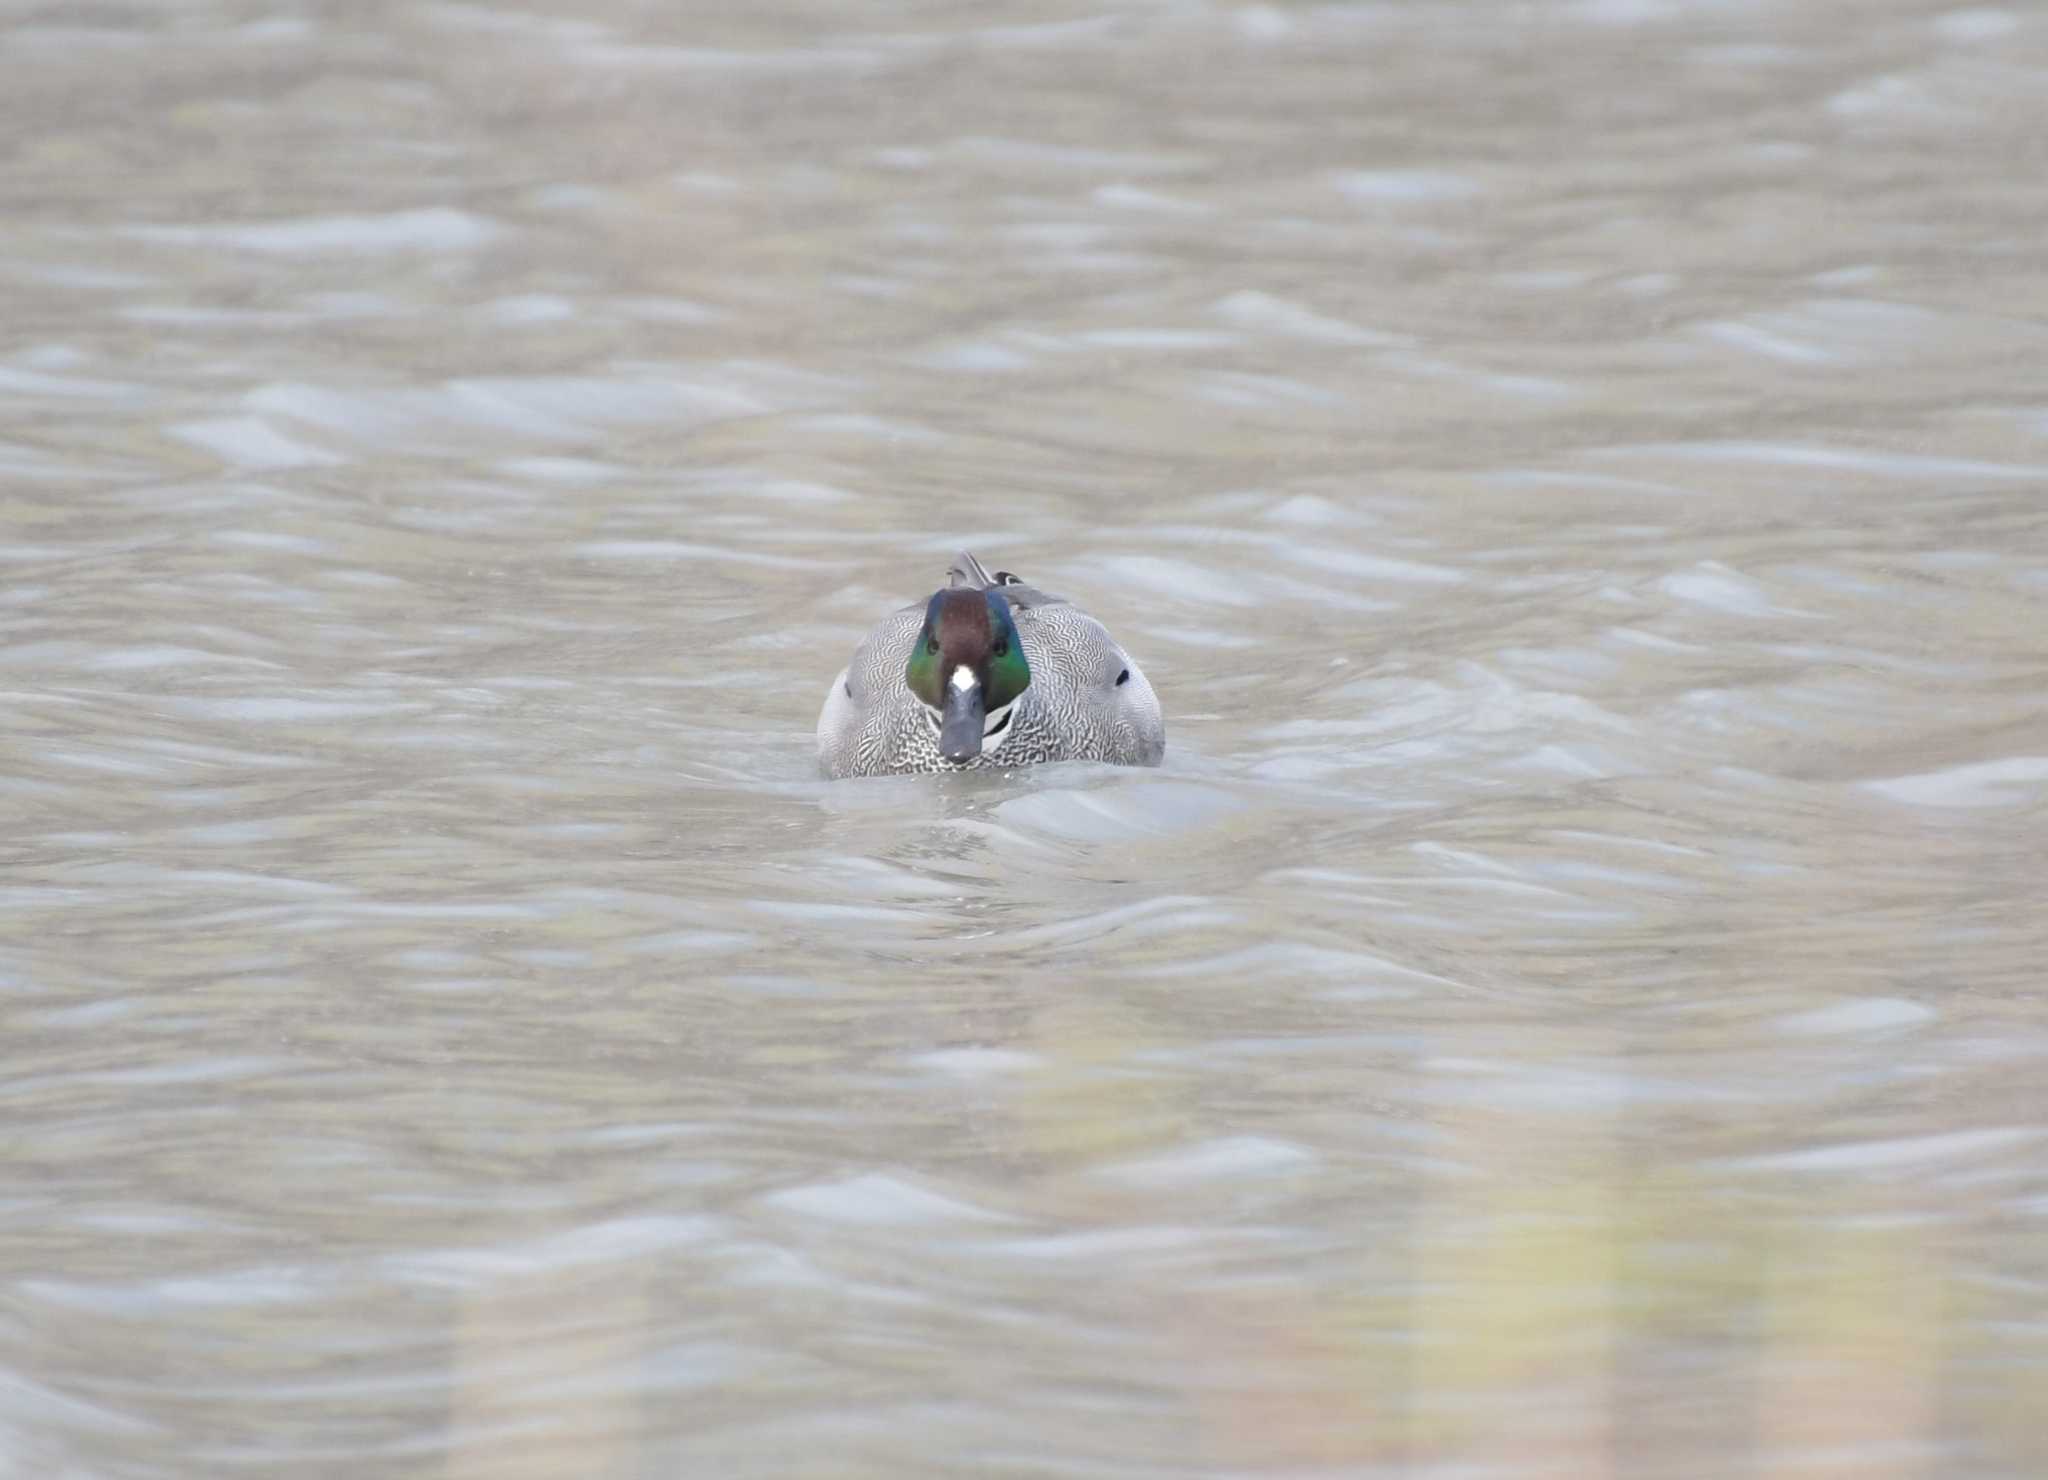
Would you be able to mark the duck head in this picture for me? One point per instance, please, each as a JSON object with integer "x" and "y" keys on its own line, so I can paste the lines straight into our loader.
{"x": 968, "y": 668}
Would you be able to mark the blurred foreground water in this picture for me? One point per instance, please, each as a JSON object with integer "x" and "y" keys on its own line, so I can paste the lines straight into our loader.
{"x": 1570, "y": 1005}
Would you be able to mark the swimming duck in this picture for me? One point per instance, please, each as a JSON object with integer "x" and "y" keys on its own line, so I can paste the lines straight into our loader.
{"x": 988, "y": 674}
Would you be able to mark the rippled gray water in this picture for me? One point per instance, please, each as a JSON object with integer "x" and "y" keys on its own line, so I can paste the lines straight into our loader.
{"x": 1570, "y": 1004}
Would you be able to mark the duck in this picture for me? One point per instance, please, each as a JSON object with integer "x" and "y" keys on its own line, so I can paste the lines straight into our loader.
{"x": 989, "y": 673}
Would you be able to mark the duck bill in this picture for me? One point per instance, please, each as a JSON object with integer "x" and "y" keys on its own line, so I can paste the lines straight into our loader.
{"x": 960, "y": 725}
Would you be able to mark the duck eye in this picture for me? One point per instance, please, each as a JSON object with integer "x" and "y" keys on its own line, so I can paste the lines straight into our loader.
{"x": 1003, "y": 648}
{"x": 931, "y": 644}
{"x": 1123, "y": 678}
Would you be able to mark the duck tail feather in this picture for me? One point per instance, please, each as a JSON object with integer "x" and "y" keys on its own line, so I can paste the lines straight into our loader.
{"x": 967, "y": 571}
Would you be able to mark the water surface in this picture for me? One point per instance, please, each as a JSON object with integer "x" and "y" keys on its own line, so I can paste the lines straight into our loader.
{"x": 1569, "y": 1005}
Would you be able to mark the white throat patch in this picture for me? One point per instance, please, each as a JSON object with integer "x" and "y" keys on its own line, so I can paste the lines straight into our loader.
{"x": 995, "y": 723}
{"x": 995, "y": 727}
